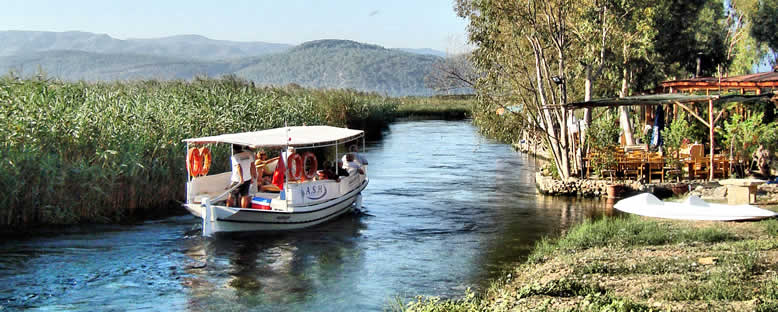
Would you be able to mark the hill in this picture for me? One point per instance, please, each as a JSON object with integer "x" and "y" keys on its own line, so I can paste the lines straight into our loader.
{"x": 80, "y": 65}
{"x": 424, "y": 51}
{"x": 184, "y": 46}
{"x": 344, "y": 64}
{"x": 317, "y": 64}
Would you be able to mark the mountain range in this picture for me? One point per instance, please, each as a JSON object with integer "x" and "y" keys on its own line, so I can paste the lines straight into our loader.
{"x": 319, "y": 64}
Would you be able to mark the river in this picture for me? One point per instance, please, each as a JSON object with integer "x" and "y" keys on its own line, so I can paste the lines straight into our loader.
{"x": 446, "y": 210}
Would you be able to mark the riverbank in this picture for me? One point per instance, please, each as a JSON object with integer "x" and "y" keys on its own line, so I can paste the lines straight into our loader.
{"x": 767, "y": 194}
{"x": 638, "y": 264}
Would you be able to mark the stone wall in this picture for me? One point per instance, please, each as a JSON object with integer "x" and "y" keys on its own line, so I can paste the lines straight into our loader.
{"x": 581, "y": 187}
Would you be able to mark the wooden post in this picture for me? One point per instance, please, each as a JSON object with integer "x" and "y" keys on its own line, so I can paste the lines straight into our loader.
{"x": 710, "y": 133}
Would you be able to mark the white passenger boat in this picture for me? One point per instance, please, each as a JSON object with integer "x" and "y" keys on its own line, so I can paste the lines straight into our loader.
{"x": 693, "y": 208}
{"x": 300, "y": 204}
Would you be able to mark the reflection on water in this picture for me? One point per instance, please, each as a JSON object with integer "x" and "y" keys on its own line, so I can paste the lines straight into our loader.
{"x": 248, "y": 271}
{"x": 446, "y": 210}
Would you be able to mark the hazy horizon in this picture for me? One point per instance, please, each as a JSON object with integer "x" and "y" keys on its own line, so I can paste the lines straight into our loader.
{"x": 399, "y": 24}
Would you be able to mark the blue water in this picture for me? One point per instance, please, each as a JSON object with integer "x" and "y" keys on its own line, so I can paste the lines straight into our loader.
{"x": 446, "y": 210}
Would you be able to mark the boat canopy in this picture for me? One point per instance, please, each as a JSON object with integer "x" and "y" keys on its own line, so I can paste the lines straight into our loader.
{"x": 303, "y": 136}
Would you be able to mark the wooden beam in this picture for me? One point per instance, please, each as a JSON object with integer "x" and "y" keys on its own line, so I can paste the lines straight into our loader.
{"x": 718, "y": 116}
{"x": 693, "y": 113}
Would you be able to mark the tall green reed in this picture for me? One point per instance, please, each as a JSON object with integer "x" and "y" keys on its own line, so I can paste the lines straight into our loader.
{"x": 100, "y": 152}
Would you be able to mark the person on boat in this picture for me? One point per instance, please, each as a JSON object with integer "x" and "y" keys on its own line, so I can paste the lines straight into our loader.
{"x": 351, "y": 165}
{"x": 244, "y": 173}
{"x": 260, "y": 163}
{"x": 353, "y": 149}
{"x": 328, "y": 172}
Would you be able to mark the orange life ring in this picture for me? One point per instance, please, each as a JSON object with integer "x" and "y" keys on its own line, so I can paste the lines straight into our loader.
{"x": 311, "y": 172}
{"x": 194, "y": 161}
{"x": 296, "y": 161}
{"x": 205, "y": 154}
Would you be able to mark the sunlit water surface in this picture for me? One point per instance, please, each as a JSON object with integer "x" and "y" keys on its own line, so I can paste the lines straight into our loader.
{"x": 446, "y": 210}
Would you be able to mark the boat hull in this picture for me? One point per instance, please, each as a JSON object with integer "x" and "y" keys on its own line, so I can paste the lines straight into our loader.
{"x": 693, "y": 208}
{"x": 227, "y": 219}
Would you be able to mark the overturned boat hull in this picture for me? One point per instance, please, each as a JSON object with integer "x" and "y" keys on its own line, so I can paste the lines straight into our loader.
{"x": 693, "y": 208}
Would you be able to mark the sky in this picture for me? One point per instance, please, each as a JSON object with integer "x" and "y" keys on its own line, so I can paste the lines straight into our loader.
{"x": 392, "y": 24}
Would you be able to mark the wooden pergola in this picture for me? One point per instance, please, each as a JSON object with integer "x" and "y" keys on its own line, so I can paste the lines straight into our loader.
{"x": 754, "y": 83}
{"x": 684, "y": 101}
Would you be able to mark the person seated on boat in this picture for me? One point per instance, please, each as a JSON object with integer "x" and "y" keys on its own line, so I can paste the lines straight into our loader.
{"x": 353, "y": 149}
{"x": 243, "y": 175}
{"x": 328, "y": 172}
{"x": 260, "y": 163}
{"x": 264, "y": 180}
{"x": 352, "y": 166}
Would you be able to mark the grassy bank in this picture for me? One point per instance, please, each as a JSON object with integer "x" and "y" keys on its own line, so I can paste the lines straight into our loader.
{"x": 103, "y": 152}
{"x": 435, "y": 107}
{"x": 636, "y": 264}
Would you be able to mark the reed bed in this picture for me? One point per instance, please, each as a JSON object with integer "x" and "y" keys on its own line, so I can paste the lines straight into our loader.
{"x": 107, "y": 152}
{"x": 437, "y": 107}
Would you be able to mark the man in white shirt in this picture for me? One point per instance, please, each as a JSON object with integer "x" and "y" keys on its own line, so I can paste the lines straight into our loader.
{"x": 243, "y": 174}
{"x": 351, "y": 166}
{"x": 357, "y": 156}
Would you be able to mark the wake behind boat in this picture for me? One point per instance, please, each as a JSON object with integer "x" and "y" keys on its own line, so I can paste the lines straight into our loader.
{"x": 303, "y": 197}
{"x": 693, "y": 208}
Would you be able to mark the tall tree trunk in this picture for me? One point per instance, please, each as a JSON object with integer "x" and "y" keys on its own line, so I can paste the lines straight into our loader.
{"x": 587, "y": 117}
{"x": 565, "y": 135}
{"x": 626, "y": 127}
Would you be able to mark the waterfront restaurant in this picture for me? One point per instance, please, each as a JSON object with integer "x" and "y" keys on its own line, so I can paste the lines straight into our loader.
{"x": 691, "y": 95}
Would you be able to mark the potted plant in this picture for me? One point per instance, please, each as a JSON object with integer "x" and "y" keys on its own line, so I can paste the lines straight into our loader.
{"x": 647, "y": 138}
{"x": 602, "y": 135}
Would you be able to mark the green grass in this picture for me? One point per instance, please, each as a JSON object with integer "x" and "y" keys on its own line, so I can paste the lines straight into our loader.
{"x": 446, "y": 107}
{"x": 100, "y": 152}
{"x": 559, "y": 288}
{"x": 727, "y": 280}
{"x": 771, "y": 226}
{"x": 625, "y": 232}
{"x": 637, "y": 264}
{"x": 647, "y": 266}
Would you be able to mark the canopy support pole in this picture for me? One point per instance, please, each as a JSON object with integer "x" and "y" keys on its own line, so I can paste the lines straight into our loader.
{"x": 710, "y": 134}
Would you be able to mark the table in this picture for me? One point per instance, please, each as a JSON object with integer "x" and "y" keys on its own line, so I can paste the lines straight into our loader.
{"x": 741, "y": 191}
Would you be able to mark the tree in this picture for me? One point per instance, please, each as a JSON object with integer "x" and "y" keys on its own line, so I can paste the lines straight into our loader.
{"x": 765, "y": 26}
{"x": 453, "y": 74}
{"x": 534, "y": 55}
{"x": 743, "y": 51}
{"x": 635, "y": 34}
{"x": 524, "y": 54}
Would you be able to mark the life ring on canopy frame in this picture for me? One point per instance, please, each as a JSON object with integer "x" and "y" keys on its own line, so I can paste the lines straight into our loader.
{"x": 310, "y": 173}
{"x": 194, "y": 161}
{"x": 205, "y": 155}
{"x": 296, "y": 161}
